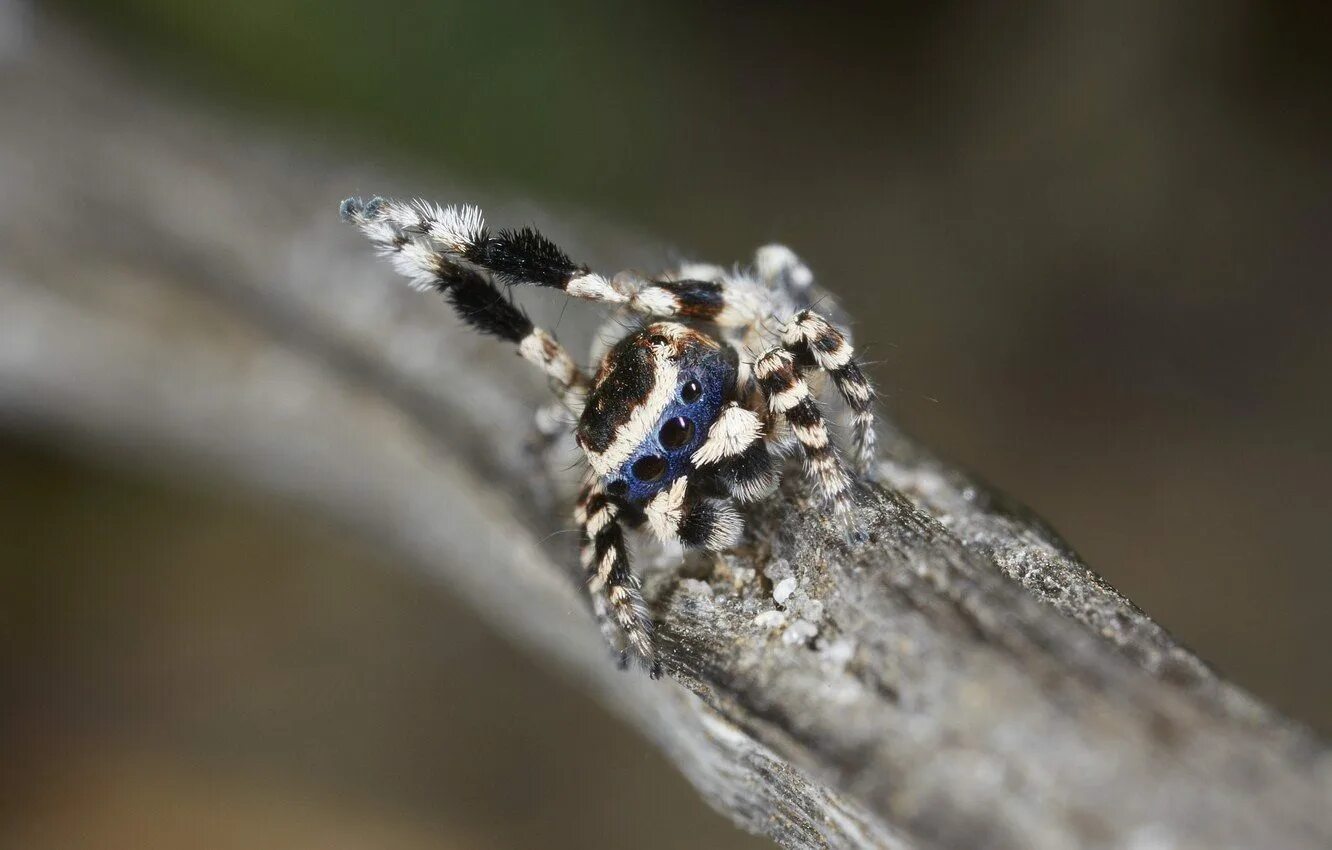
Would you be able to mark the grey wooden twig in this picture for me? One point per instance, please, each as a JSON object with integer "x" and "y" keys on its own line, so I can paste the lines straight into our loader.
{"x": 178, "y": 290}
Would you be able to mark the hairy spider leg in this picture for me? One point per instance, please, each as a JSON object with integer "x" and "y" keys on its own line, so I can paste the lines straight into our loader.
{"x": 816, "y": 341}
{"x": 778, "y": 267}
{"x": 514, "y": 256}
{"x": 400, "y": 232}
{"x": 780, "y": 378}
{"x": 605, "y": 558}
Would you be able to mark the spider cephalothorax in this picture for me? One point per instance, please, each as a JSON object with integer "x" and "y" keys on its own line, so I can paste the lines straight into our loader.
{"x": 652, "y": 402}
{"x": 680, "y": 421}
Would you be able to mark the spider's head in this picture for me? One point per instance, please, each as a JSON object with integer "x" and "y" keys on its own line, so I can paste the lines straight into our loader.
{"x": 653, "y": 399}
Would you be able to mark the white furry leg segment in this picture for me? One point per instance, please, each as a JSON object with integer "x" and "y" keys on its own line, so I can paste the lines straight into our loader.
{"x": 418, "y": 238}
{"x": 859, "y": 395}
{"x": 778, "y": 265}
{"x": 567, "y": 381}
{"x": 735, "y": 447}
{"x": 605, "y": 557}
{"x": 587, "y": 557}
{"x": 677, "y": 514}
{"x": 426, "y": 244}
{"x": 521, "y": 256}
{"x": 553, "y": 419}
{"x": 815, "y": 339}
{"x": 731, "y": 302}
{"x": 734, "y": 431}
{"x": 788, "y": 394}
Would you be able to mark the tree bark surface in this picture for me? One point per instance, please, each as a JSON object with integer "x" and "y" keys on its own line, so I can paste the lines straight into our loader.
{"x": 175, "y": 288}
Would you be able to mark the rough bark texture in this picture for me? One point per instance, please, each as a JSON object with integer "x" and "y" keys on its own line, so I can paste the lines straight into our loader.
{"x": 175, "y": 289}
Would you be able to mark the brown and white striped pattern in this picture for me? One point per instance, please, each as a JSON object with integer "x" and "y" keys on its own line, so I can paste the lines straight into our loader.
{"x": 567, "y": 381}
{"x": 810, "y": 334}
{"x": 731, "y": 302}
{"x": 605, "y": 558}
{"x": 788, "y": 395}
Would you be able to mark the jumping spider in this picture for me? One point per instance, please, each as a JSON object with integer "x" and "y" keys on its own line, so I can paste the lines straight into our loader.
{"x": 679, "y": 422}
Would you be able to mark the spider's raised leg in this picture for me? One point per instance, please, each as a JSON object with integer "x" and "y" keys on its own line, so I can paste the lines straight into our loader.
{"x": 513, "y": 256}
{"x": 780, "y": 379}
{"x": 816, "y": 341}
{"x": 525, "y": 256}
{"x": 419, "y": 252}
{"x": 605, "y": 557}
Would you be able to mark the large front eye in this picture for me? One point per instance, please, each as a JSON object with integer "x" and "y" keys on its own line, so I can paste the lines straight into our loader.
{"x": 676, "y": 432}
{"x": 649, "y": 469}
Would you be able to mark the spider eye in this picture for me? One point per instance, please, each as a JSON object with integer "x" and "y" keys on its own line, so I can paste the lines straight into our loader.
{"x": 676, "y": 432}
{"x": 617, "y": 488}
{"x": 657, "y": 339}
{"x": 690, "y": 392}
{"x": 649, "y": 469}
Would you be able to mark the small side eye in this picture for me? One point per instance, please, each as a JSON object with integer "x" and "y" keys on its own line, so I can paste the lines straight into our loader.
{"x": 657, "y": 339}
{"x": 690, "y": 392}
{"x": 649, "y": 469}
{"x": 676, "y": 432}
{"x": 618, "y": 487}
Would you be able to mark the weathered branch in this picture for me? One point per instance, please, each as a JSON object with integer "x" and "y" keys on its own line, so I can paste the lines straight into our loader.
{"x": 180, "y": 290}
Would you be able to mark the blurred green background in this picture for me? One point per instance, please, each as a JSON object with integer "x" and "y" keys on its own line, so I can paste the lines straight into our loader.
{"x": 1087, "y": 246}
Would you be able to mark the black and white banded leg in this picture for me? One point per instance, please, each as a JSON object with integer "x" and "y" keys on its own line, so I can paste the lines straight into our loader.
{"x": 514, "y": 256}
{"x": 587, "y": 558}
{"x": 525, "y": 256}
{"x": 616, "y": 598}
{"x": 780, "y": 378}
{"x": 416, "y": 237}
{"x": 816, "y": 341}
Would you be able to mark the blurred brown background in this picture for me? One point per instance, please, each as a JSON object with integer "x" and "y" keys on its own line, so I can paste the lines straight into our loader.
{"x": 1087, "y": 245}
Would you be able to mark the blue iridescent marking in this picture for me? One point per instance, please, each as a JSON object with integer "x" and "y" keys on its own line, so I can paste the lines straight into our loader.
{"x": 641, "y": 476}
